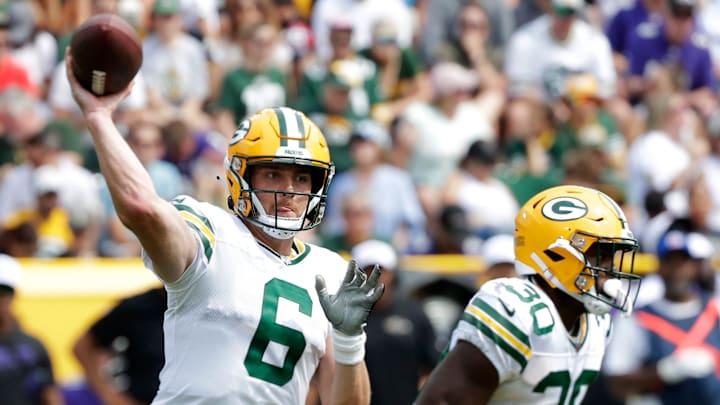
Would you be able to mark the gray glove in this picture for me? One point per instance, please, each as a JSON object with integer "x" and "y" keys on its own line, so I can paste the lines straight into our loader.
{"x": 349, "y": 308}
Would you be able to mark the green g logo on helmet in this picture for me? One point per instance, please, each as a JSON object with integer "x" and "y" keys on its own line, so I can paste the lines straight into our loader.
{"x": 564, "y": 209}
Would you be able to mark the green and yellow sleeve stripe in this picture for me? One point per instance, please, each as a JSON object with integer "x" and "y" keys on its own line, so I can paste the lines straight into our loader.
{"x": 200, "y": 225}
{"x": 496, "y": 327}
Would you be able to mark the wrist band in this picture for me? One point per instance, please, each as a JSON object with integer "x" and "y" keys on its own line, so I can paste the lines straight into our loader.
{"x": 349, "y": 350}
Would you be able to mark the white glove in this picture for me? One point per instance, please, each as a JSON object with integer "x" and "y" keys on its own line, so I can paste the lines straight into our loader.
{"x": 693, "y": 362}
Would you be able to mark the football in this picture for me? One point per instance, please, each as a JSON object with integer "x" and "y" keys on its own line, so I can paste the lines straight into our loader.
{"x": 106, "y": 54}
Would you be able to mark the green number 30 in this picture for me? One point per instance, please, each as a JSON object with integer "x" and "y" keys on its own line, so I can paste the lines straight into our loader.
{"x": 563, "y": 380}
{"x": 269, "y": 330}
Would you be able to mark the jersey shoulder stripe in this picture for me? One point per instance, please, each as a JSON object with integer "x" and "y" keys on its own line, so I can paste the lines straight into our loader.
{"x": 197, "y": 222}
{"x": 495, "y": 326}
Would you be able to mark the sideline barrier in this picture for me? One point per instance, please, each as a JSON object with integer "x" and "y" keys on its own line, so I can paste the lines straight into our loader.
{"x": 59, "y": 299}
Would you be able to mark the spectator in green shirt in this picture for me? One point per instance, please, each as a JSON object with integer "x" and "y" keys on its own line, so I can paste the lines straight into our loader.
{"x": 255, "y": 84}
{"x": 401, "y": 75}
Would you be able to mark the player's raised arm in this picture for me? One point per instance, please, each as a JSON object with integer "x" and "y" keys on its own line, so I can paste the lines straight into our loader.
{"x": 159, "y": 227}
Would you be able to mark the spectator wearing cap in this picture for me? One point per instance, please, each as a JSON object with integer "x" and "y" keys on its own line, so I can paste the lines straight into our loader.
{"x": 33, "y": 47}
{"x": 78, "y": 190}
{"x": 498, "y": 255}
{"x": 336, "y": 98}
{"x": 451, "y": 233}
{"x": 398, "y": 216}
{"x": 667, "y": 351}
{"x": 400, "y": 338}
{"x": 589, "y": 131}
{"x": 255, "y": 84}
{"x": 175, "y": 68}
{"x": 541, "y": 53}
{"x": 50, "y": 220}
{"x": 26, "y": 376}
{"x": 489, "y": 203}
{"x": 344, "y": 87}
{"x": 12, "y": 72}
{"x": 360, "y": 16}
{"x": 588, "y": 124}
{"x": 676, "y": 56}
{"x": 445, "y": 128}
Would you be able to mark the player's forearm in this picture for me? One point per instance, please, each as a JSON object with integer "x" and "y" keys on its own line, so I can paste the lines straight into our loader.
{"x": 129, "y": 183}
{"x": 350, "y": 385}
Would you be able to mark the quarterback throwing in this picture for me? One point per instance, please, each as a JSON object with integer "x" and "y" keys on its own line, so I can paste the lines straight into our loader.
{"x": 253, "y": 313}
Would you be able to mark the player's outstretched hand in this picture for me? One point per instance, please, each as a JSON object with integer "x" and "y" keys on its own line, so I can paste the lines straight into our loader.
{"x": 88, "y": 101}
{"x": 349, "y": 308}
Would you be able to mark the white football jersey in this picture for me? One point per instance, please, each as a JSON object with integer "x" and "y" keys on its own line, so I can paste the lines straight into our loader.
{"x": 243, "y": 325}
{"x": 515, "y": 324}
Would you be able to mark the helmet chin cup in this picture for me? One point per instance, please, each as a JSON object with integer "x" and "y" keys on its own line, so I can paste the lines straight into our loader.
{"x": 277, "y": 233}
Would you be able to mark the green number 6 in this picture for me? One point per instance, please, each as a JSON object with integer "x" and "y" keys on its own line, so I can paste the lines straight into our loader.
{"x": 269, "y": 330}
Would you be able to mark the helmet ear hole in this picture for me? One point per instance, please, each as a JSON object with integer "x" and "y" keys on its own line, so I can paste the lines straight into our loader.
{"x": 230, "y": 203}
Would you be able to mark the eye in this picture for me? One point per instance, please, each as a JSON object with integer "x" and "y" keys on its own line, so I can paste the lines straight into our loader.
{"x": 303, "y": 178}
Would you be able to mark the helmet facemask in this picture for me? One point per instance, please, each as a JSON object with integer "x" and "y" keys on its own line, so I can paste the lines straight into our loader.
{"x": 605, "y": 259}
{"x": 249, "y": 206}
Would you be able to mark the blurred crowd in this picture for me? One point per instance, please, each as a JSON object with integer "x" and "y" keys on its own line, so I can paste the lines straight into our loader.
{"x": 443, "y": 116}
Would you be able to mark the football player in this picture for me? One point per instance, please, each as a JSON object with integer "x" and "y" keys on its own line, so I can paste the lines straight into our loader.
{"x": 541, "y": 339}
{"x": 253, "y": 313}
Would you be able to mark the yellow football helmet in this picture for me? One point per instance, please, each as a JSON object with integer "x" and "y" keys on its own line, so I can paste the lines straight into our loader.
{"x": 277, "y": 136}
{"x": 570, "y": 236}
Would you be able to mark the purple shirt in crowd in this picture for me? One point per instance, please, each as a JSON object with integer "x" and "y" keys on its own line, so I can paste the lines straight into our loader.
{"x": 647, "y": 48}
{"x": 623, "y": 25}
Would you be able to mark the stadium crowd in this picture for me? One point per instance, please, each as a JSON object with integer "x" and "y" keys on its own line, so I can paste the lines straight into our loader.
{"x": 442, "y": 116}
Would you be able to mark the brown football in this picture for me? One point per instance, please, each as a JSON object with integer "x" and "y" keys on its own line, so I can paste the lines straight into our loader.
{"x": 106, "y": 54}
